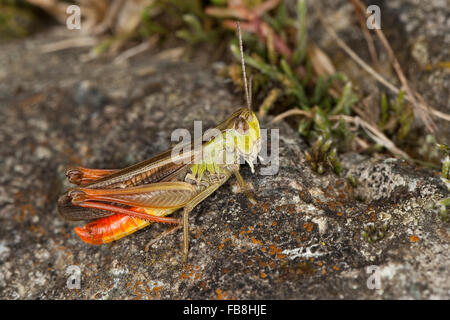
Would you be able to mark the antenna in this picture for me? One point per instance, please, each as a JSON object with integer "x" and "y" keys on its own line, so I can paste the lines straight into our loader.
{"x": 250, "y": 90}
{"x": 241, "y": 48}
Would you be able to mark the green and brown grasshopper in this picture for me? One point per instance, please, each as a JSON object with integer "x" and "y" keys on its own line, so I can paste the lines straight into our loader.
{"x": 124, "y": 201}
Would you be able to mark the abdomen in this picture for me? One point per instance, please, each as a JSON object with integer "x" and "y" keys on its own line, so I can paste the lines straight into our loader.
{"x": 116, "y": 226}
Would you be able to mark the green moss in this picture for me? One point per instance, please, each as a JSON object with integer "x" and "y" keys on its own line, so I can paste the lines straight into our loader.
{"x": 374, "y": 232}
{"x": 445, "y": 162}
{"x": 396, "y": 117}
{"x": 444, "y": 204}
{"x": 322, "y": 156}
{"x": 352, "y": 180}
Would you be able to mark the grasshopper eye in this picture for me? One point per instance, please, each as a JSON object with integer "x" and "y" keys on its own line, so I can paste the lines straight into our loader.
{"x": 241, "y": 126}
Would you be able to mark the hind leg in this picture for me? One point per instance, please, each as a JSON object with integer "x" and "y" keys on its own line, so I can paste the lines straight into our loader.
{"x": 82, "y": 176}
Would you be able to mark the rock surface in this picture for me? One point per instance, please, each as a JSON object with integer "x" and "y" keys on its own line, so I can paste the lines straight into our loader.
{"x": 310, "y": 237}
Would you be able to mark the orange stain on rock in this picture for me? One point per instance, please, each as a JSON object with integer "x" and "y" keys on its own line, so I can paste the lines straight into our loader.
{"x": 183, "y": 276}
{"x": 274, "y": 250}
{"x": 255, "y": 241}
{"x": 308, "y": 226}
{"x": 220, "y": 295}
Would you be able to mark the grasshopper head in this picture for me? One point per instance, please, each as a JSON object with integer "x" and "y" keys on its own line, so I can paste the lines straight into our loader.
{"x": 247, "y": 136}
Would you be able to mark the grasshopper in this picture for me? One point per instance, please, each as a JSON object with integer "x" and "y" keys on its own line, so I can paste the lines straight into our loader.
{"x": 123, "y": 201}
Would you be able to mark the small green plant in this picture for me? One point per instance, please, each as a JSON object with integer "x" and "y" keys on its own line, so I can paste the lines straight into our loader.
{"x": 195, "y": 33}
{"x": 374, "y": 232}
{"x": 443, "y": 208}
{"x": 445, "y": 162}
{"x": 396, "y": 117}
{"x": 445, "y": 172}
{"x": 288, "y": 76}
{"x": 352, "y": 181}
